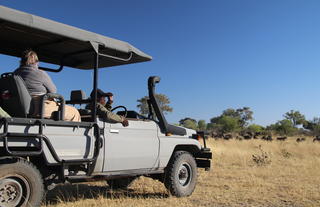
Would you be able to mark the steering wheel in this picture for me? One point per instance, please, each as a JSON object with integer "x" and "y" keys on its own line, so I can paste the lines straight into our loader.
{"x": 125, "y": 110}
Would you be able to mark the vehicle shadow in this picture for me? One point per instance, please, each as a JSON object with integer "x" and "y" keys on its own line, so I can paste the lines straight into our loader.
{"x": 76, "y": 192}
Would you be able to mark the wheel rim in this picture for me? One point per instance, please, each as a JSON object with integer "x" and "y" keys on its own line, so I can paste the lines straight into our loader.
{"x": 14, "y": 191}
{"x": 184, "y": 174}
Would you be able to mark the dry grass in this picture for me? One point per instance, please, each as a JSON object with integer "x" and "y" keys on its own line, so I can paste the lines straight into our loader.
{"x": 244, "y": 173}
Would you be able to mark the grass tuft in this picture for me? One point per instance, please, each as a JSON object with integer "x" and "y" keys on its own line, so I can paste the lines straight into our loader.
{"x": 262, "y": 158}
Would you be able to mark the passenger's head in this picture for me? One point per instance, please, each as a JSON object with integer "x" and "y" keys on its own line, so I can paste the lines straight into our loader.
{"x": 102, "y": 100}
{"x": 101, "y": 96}
{"x": 29, "y": 57}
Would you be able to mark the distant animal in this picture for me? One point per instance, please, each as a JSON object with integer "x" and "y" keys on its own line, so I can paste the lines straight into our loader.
{"x": 317, "y": 138}
{"x": 214, "y": 134}
{"x": 250, "y": 134}
{"x": 301, "y": 139}
{"x": 247, "y": 136}
{"x": 257, "y": 133}
{"x": 227, "y": 136}
{"x": 239, "y": 138}
{"x": 281, "y": 138}
{"x": 267, "y": 138}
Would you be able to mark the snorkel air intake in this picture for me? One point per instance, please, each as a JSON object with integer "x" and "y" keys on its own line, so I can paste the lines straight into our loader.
{"x": 153, "y": 103}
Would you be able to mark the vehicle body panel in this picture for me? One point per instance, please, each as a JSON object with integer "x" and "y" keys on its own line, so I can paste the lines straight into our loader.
{"x": 168, "y": 144}
{"x": 132, "y": 147}
{"x": 68, "y": 142}
{"x": 139, "y": 146}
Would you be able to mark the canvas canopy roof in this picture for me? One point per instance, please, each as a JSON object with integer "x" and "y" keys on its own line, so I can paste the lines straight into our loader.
{"x": 59, "y": 43}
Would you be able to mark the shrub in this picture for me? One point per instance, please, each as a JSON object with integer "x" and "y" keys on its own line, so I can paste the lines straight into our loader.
{"x": 262, "y": 158}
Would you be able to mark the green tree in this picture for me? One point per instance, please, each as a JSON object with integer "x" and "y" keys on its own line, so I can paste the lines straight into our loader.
{"x": 202, "y": 125}
{"x": 181, "y": 122}
{"x": 162, "y": 99}
{"x": 255, "y": 128}
{"x": 190, "y": 124}
{"x": 283, "y": 127}
{"x": 229, "y": 124}
{"x": 231, "y": 112}
{"x": 226, "y": 124}
{"x": 244, "y": 115}
{"x": 313, "y": 126}
{"x": 210, "y": 126}
{"x": 296, "y": 117}
{"x": 231, "y": 120}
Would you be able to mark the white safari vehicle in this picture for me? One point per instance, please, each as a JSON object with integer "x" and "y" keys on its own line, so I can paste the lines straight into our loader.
{"x": 37, "y": 153}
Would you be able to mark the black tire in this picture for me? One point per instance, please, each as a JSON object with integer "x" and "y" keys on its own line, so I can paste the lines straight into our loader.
{"x": 21, "y": 184}
{"x": 120, "y": 183}
{"x": 181, "y": 174}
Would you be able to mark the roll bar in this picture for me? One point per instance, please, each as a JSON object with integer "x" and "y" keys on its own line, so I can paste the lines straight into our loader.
{"x": 52, "y": 70}
{"x": 97, "y": 54}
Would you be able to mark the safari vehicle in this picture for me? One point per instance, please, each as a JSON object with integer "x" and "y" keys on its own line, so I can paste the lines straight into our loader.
{"x": 37, "y": 153}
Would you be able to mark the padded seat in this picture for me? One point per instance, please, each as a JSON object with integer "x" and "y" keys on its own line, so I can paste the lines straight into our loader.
{"x": 14, "y": 96}
{"x": 16, "y": 100}
{"x": 78, "y": 97}
{"x": 84, "y": 112}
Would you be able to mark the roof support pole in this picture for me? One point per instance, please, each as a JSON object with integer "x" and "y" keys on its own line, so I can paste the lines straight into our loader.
{"x": 95, "y": 86}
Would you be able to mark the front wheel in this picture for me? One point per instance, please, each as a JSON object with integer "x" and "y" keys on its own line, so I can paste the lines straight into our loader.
{"x": 181, "y": 174}
{"x": 20, "y": 184}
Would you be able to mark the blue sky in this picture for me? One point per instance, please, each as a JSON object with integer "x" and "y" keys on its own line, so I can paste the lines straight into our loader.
{"x": 211, "y": 54}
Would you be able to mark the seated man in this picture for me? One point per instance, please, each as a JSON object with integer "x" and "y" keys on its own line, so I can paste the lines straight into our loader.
{"x": 4, "y": 114}
{"x": 109, "y": 103}
{"x": 104, "y": 108}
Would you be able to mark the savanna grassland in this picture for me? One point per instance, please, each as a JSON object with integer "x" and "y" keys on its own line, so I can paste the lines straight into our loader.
{"x": 244, "y": 173}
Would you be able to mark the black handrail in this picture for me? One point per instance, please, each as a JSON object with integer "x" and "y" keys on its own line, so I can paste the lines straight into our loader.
{"x": 5, "y": 127}
{"x": 53, "y": 96}
{"x": 117, "y": 58}
{"x": 22, "y": 153}
{"x": 5, "y": 136}
{"x": 95, "y": 87}
{"x": 52, "y": 70}
{"x": 90, "y": 161}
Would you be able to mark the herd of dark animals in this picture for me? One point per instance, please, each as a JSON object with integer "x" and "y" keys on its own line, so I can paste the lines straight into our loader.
{"x": 250, "y": 135}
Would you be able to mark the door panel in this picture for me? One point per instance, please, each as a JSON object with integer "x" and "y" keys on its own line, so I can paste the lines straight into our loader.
{"x": 132, "y": 147}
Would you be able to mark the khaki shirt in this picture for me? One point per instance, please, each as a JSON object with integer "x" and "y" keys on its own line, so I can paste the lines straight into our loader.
{"x": 105, "y": 113}
{"x": 108, "y": 106}
{"x": 4, "y": 114}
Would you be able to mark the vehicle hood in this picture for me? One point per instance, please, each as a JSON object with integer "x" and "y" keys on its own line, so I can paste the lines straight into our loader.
{"x": 190, "y": 132}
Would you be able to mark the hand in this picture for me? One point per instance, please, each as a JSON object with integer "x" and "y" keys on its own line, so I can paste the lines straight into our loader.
{"x": 125, "y": 123}
{"x": 110, "y": 100}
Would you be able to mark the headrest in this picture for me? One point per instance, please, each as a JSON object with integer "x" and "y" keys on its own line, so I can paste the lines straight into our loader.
{"x": 77, "y": 95}
{"x": 15, "y": 98}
